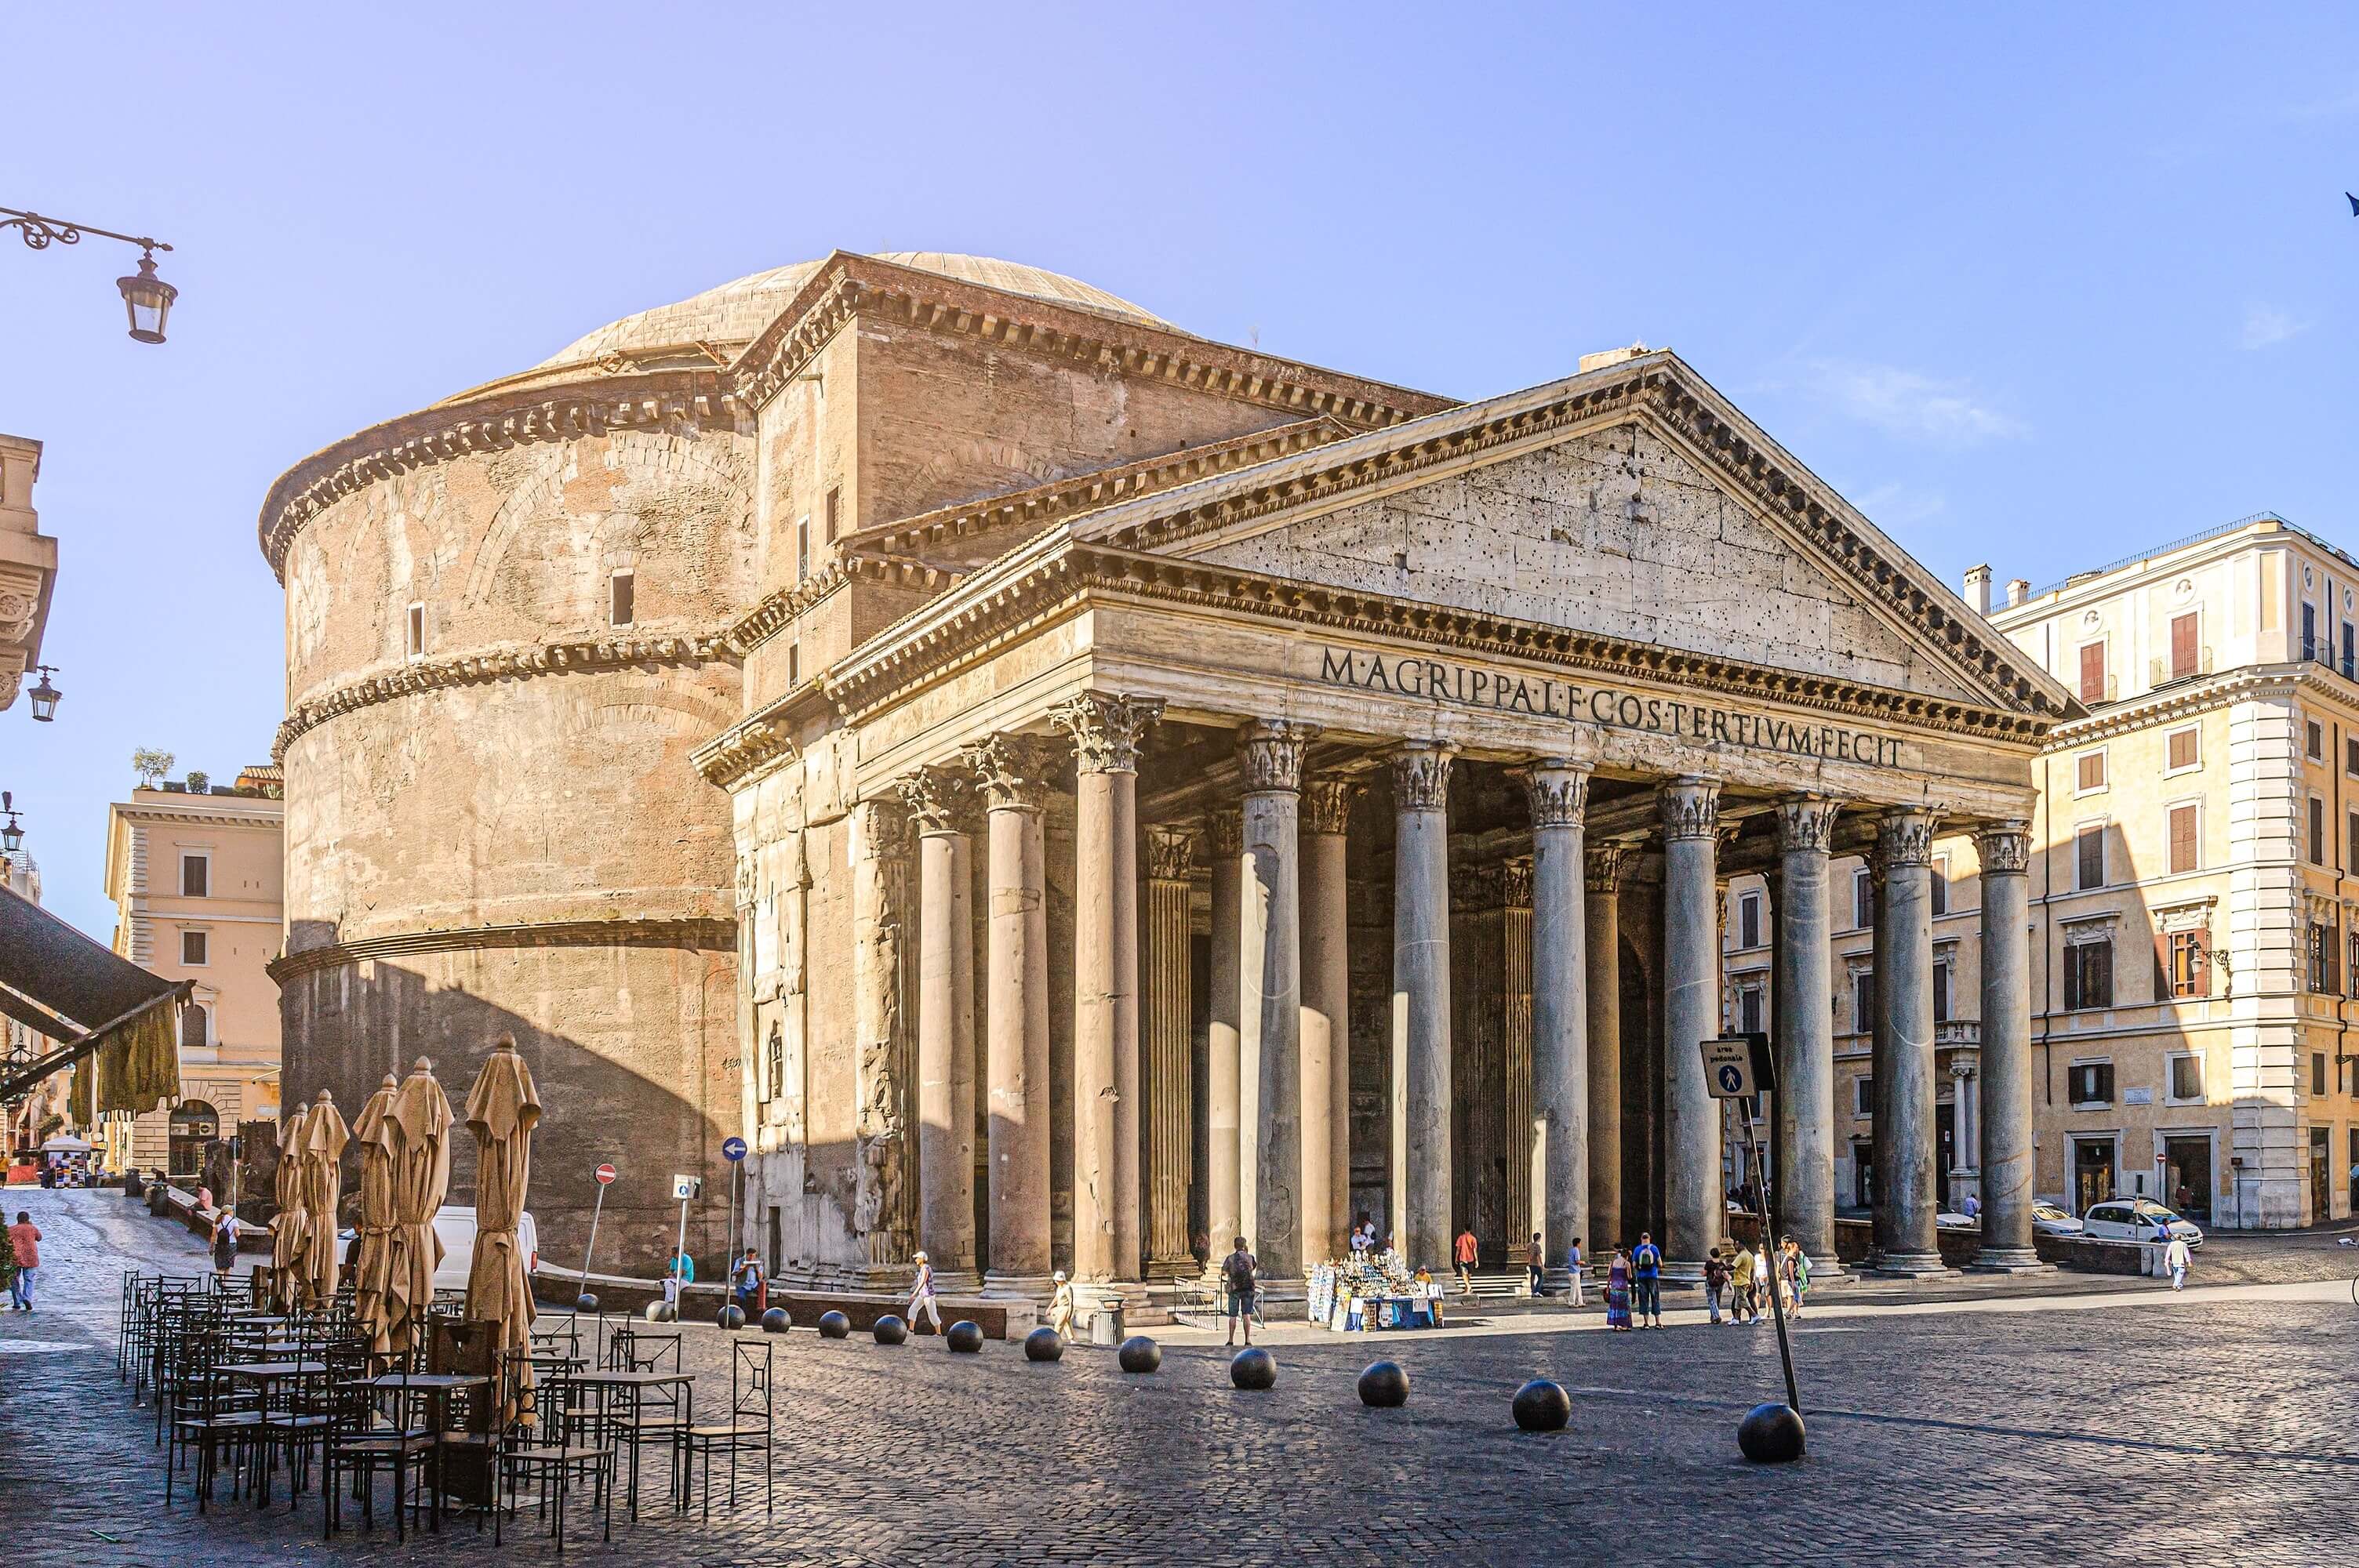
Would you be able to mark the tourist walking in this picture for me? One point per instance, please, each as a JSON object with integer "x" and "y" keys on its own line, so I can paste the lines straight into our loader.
{"x": 1647, "y": 1282}
{"x": 1573, "y": 1292}
{"x": 1617, "y": 1292}
{"x": 1535, "y": 1260}
{"x": 2176, "y": 1257}
{"x": 1743, "y": 1306}
{"x": 1237, "y": 1273}
{"x": 1062, "y": 1307}
{"x": 1715, "y": 1280}
{"x": 921, "y": 1295}
{"x": 1797, "y": 1275}
{"x": 225, "y": 1245}
{"x": 1468, "y": 1250}
{"x": 24, "y": 1248}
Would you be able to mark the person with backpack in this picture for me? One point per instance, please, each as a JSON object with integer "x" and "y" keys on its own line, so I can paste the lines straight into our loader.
{"x": 1647, "y": 1283}
{"x": 1237, "y": 1273}
{"x": 225, "y": 1245}
{"x": 1715, "y": 1280}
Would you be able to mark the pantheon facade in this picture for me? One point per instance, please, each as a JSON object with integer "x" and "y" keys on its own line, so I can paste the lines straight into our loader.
{"x": 1064, "y": 788}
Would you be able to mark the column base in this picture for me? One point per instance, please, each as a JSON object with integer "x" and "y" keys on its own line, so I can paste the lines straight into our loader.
{"x": 1911, "y": 1266}
{"x": 957, "y": 1282}
{"x": 998, "y": 1286}
{"x": 1828, "y": 1269}
{"x": 1682, "y": 1271}
{"x": 1183, "y": 1267}
{"x": 2008, "y": 1260}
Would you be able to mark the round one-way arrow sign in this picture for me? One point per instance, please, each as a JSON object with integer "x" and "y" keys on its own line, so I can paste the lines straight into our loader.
{"x": 733, "y": 1149}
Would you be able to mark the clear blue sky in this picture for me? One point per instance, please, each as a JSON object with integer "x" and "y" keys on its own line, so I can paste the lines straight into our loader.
{"x": 2038, "y": 285}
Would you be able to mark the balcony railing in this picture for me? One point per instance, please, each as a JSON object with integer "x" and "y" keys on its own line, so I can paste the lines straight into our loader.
{"x": 2320, "y": 650}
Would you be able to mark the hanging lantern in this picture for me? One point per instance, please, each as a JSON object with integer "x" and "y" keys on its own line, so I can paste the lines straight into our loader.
{"x": 45, "y": 699}
{"x": 149, "y": 299}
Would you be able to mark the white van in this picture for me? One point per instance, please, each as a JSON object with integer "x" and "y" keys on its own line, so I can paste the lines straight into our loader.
{"x": 454, "y": 1227}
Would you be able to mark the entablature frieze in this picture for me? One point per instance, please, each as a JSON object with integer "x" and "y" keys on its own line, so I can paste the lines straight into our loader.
{"x": 695, "y": 934}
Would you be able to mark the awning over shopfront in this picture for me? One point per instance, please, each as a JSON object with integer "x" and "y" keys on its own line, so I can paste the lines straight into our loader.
{"x": 99, "y": 1007}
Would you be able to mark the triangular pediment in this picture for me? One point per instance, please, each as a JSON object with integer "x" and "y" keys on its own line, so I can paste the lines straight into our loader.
{"x": 1631, "y": 504}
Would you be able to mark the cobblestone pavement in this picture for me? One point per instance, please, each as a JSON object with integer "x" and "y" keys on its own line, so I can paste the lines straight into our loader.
{"x": 2221, "y": 1428}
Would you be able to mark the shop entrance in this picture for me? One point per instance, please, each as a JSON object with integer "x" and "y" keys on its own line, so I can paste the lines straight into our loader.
{"x": 2321, "y": 1194}
{"x": 194, "y": 1124}
{"x": 2186, "y": 1180}
{"x": 2093, "y": 1172}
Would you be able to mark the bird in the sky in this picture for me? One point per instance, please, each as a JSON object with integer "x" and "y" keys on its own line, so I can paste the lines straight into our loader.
{"x": 2354, "y": 204}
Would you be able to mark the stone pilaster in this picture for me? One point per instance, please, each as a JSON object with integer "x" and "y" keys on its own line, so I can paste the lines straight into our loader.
{"x": 1106, "y": 731}
{"x": 1223, "y": 1086}
{"x": 881, "y": 1208}
{"x": 1271, "y": 1178}
{"x": 2007, "y": 1088}
{"x": 1557, "y": 794}
{"x": 1526, "y": 1144}
{"x": 1170, "y": 1110}
{"x": 1694, "y": 1205}
{"x": 1802, "y": 994}
{"x": 1904, "y": 1005}
{"x": 1014, "y": 773}
{"x": 1326, "y": 1018}
{"x": 940, "y": 803}
{"x": 1601, "y": 943}
{"x": 1420, "y": 1143}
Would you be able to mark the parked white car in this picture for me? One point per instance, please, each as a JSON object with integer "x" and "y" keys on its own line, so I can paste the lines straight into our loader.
{"x": 454, "y": 1227}
{"x": 2138, "y": 1219}
{"x": 2050, "y": 1220}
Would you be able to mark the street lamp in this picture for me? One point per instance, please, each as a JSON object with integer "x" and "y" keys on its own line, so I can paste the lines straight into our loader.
{"x": 12, "y": 838}
{"x": 146, "y": 297}
{"x": 45, "y": 697}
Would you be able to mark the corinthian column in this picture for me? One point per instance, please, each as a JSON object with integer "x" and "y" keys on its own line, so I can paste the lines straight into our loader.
{"x": 938, "y": 803}
{"x": 879, "y": 896}
{"x": 1106, "y": 731}
{"x": 1421, "y": 1110}
{"x": 1526, "y": 1142}
{"x": 1014, "y": 772}
{"x": 1694, "y": 1210}
{"x": 1558, "y": 793}
{"x": 1326, "y": 1021}
{"x": 1805, "y": 1155}
{"x": 1224, "y": 1117}
{"x": 1170, "y": 1110}
{"x": 1602, "y": 938}
{"x": 2005, "y": 849}
{"x": 1269, "y": 958}
{"x": 1903, "y": 1005}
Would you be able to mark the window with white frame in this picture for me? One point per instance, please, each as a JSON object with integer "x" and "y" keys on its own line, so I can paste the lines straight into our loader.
{"x": 2088, "y": 856}
{"x": 1750, "y": 996}
{"x": 195, "y": 948}
{"x": 196, "y": 873}
{"x": 1862, "y": 899}
{"x": 2091, "y": 1084}
{"x": 1939, "y": 887}
{"x": 2183, "y": 749}
{"x": 1863, "y": 1001}
{"x": 1862, "y": 1095}
{"x": 1748, "y": 920}
{"x": 2186, "y": 1077}
{"x": 2183, "y": 845}
{"x": 2316, "y": 845}
{"x": 2314, "y": 740}
{"x": 415, "y": 643}
{"x": 2089, "y": 771}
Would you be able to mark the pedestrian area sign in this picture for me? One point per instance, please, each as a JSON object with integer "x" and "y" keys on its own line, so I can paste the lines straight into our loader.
{"x": 1728, "y": 1066}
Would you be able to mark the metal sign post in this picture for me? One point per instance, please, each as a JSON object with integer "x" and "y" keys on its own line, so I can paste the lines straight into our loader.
{"x": 1739, "y": 1067}
{"x": 685, "y": 1189}
{"x": 606, "y": 1175}
{"x": 733, "y": 1149}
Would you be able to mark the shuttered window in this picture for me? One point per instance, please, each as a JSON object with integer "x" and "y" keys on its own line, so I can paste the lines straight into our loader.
{"x": 2182, "y": 838}
{"x": 2185, "y": 747}
{"x": 2185, "y": 651}
{"x": 2088, "y": 974}
{"x": 2088, "y": 852}
{"x": 2186, "y": 961}
{"x": 2317, "y": 831}
{"x": 2092, "y": 672}
{"x": 2092, "y": 771}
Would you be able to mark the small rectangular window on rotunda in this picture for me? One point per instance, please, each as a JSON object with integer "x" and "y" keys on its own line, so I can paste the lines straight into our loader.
{"x": 622, "y": 594}
{"x": 416, "y": 646}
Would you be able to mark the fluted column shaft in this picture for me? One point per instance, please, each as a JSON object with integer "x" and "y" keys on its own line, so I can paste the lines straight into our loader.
{"x": 1223, "y": 1087}
{"x": 1106, "y": 731}
{"x": 1803, "y": 985}
{"x": 2007, "y": 1090}
{"x": 1904, "y": 1001}
{"x": 1694, "y": 1205}
{"x": 1170, "y": 1110}
{"x": 1271, "y": 1179}
{"x": 1420, "y": 1032}
{"x": 1602, "y": 938}
{"x": 1326, "y": 1019}
{"x": 936, "y": 803}
{"x": 1558, "y": 793}
{"x": 1014, "y": 772}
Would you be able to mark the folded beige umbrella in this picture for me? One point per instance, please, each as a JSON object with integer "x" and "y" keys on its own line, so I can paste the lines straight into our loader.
{"x": 502, "y": 1110}
{"x": 420, "y": 1117}
{"x": 324, "y": 1137}
{"x": 373, "y": 1130}
{"x": 290, "y": 1230}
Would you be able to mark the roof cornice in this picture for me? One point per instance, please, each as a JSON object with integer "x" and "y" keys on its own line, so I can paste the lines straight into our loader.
{"x": 760, "y": 742}
{"x": 848, "y": 285}
{"x": 665, "y": 400}
{"x": 209, "y": 817}
{"x": 777, "y": 609}
{"x": 2203, "y": 694}
{"x": 694, "y": 933}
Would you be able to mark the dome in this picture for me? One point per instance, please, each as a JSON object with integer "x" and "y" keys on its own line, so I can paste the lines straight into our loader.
{"x": 733, "y": 314}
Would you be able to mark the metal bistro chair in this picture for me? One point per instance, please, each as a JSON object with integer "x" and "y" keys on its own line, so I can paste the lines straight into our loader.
{"x": 362, "y": 1441}
{"x": 210, "y": 1415}
{"x": 568, "y": 1442}
{"x": 750, "y": 1429}
{"x": 636, "y": 1350}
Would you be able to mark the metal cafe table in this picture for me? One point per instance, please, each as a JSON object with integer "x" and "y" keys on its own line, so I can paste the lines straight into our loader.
{"x": 423, "y": 1406}
{"x": 621, "y": 1400}
{"x": 269, "y": 1377}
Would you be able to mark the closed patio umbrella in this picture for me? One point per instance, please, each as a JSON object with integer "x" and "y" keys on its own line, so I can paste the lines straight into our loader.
{"x": 373, "y": 1130}
{"x": 290, "y": 1228}
{"x": 324, "y": 1137}
{"x": 422, "y": 1176}
{"x": 502, "y": 1110}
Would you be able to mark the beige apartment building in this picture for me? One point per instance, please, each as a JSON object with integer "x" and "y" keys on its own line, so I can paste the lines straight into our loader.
{"x": 2194, "y": 884}
{"x": 195, "y": 874}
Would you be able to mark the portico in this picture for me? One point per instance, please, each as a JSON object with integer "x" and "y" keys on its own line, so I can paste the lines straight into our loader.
{"x": 1406, "y": 773}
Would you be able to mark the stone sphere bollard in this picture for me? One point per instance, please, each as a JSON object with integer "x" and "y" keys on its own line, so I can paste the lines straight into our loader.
{"x": 1384, "y": 1386}
{"x": 833, "y": 1326}
{"x": 890, "y": 1330}
{"x": 1044, "y": 1344}
{"x": 964, "y": 1336}
{"x": 1770, "y": 1433}
{"x": 1542, "y": 1406}
{"x": 1139, "y": 1354}
{"x": 731, "y": 1316}
{"x": 662, "y": 1312}
{"x": 1252, "y": 1367}
{"x": 775, "y": 1321}
{"x": 585, "y": 1302}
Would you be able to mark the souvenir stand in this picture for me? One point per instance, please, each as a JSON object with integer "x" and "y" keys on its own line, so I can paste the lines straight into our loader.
{"x": 1369, "y": 1292}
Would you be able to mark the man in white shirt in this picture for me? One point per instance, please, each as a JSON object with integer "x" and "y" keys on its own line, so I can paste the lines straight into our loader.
{"x": 2176, "y": 1256}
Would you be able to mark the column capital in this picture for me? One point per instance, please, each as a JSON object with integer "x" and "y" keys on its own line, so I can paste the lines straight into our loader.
{"x": 1604, "y": 867}
{"x": 1515, "y": 883}
{"x": 2005, "y": 848}
{"x": 1905, "y": 835}
{"x": 1170, "y": 851}
{"x": 1014, "y": 773}
{"x": 1327, "y": 803}
{"x": 1421, "y": 776}
{"x": 939, "y": 800}
{"x": 1690, "y": 807}
{"x": 879, "y": 829}
{"x": 1807, "y": 822}
{"x": 1270, "y": 750}
{"x": 1557, "y": 790}
{"x": 1227, "y": 830}
{"x": 1106, "y": 728}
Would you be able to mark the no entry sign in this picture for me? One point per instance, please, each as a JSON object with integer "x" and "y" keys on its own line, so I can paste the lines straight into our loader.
{"x": 606, "y": 1174}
